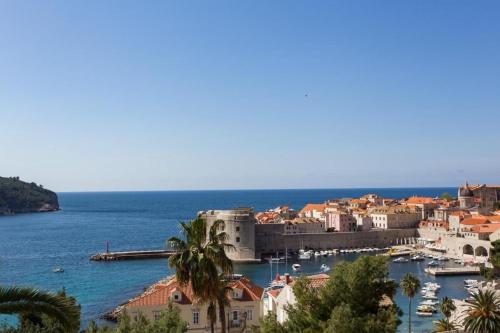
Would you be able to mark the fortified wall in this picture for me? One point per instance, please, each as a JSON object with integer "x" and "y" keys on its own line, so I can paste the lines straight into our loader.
{"x": 269, "y": 238}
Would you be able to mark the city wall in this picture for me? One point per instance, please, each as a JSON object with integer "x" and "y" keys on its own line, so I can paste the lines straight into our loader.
{"x": 269, "y": 238}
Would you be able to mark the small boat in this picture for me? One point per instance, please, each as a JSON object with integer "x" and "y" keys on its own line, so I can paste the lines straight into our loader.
{"x": 424, "y": 314}
{"x": 470, "y": 282}
{"x": 305, "y": 256}
{"x": 273, "y": 259}
{"x": 58, "y": 270}
{"x": 325, "y": 268}
{"x": 317, "y": 254}
{"x": 433, "y": 263}
{"x": 417, "y": 258}
{"x": 426, "y": 308}
{"x": 296, "y": 267}
{"x": 400, "y": 260}
{"x": 443, "y": 258}
{"x": 430, "y": 295}
{"x": 429, "y": 302}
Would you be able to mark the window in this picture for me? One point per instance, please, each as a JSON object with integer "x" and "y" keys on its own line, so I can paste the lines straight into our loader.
{"x": 196, "y": 317}
{"x": 235, "y": 315}
{"x": 249, "y": 314}
{"x": 237, "y": 239}
{"x": 176, "y": 297}
{"x": 156, "y": 314}
{"x": 237, "y": 228}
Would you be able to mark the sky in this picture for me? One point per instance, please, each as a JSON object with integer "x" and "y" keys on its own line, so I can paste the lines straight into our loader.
{"x": 168, "y": 95}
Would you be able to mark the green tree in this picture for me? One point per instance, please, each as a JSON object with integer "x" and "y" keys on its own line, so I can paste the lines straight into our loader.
{"x": 483, "y": 315}
{"x": 200, "y": 256}
{"x": 170, "y": 321}
{"x": 495, "y": 256}
{"x": 409, "y": 286}
{"x": 446, "y": 307}
{"x": 446, "y": 196}
{"x": 269, "y": 324}
{"x": 355, "y": 289}
{"x": 38, "y": 308}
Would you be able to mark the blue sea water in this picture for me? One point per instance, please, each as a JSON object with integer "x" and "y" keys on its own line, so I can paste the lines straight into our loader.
{"x": 31, "y": 245}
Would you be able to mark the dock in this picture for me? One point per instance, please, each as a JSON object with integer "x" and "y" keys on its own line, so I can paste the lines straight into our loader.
{"x": 471, "y": 270}
{"x": 132, "y": 255}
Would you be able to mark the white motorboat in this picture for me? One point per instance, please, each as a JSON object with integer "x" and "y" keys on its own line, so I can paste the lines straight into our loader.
{"x": 433, "y": 263}
{"x": 296, "y": 267}
{"x": 400, "y": 260}
{"x": 430, "y": 295}
{"x": 304, "y": 256}
{"x": 470, "y": 282}
{"x": 443, "y": 258}
{"x": 417, "y": 258}
{"x": 58, "y": 270}
{"x": 429, "y": 302}
{"x": 426, "y": 308}
{"x": 317, "y": 254}
{"x": 325, "y": 268}
{"x": 424, "y": 314}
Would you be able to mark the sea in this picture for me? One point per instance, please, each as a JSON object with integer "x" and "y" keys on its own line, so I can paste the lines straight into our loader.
{"x": 31, "y": 245}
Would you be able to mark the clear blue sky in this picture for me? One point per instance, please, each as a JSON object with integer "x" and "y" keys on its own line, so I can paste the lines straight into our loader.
{"x": 152, "y": 95}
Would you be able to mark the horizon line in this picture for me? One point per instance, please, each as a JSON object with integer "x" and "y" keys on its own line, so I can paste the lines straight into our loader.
{"x": 262, "y": 189}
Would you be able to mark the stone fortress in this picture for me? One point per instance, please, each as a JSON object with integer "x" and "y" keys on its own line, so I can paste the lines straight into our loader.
{"x": 463, "y": 227}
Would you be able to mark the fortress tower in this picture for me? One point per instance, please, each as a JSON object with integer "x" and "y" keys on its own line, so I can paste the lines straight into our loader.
{"x": 240, "y": 226}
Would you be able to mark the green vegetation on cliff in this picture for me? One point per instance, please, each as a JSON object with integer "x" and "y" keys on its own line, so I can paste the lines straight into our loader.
{"x": 17, "y": 196}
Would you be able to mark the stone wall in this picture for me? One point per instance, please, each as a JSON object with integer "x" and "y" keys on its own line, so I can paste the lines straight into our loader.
{"x": 269, "y": 238}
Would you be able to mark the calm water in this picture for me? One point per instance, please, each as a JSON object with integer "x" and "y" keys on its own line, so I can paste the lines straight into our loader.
{"x": 32, "y": 244}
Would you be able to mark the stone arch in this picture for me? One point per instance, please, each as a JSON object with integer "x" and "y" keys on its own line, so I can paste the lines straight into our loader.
{"x": 481, "y": 251}
{"x": 468, "y": 249}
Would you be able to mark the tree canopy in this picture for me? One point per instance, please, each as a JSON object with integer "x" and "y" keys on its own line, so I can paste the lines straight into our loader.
{"x": 17, "y": 196}
{"x": 350, "y": 302}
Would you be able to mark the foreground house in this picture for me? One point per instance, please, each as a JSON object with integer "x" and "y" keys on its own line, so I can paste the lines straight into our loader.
{"x": 244, "y": 309}
{"x": 278, "y": 298}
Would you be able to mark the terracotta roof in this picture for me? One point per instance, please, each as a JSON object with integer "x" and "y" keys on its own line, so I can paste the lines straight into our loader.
{"x": 475, "y": 220}
{"x": 311, "y": 207}
{"x": 419, "y": 200}
{"x": 275, "y": 292}
{"x": 317, "y": 280}
{"x": 358, "y": 201}
{"x": 486, "y": 228}
{"x": 160, "y": 294}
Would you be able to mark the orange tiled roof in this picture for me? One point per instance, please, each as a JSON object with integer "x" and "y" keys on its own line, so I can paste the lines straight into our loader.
{"x": 161, "y": 293}
{"x": 317, "y": 280}
{"x": 419, "y": 200}
{"x": 486, "y": 228}
{"x": 358, "y": 201}
{"x": 311, "y": 207}
{"x": 475, "y": 220}
{"x": 460, "y": 213}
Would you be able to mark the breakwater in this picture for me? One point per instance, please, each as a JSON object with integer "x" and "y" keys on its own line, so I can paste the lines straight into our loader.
{"x": 131, "y": 255}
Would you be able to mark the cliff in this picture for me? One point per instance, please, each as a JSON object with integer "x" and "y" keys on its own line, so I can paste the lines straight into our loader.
{"x": 17, "y": 196}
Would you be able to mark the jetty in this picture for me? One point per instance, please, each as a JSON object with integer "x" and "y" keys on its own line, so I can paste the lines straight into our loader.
{"x": 132, "y": 255}
{"x": 439, "y": 271}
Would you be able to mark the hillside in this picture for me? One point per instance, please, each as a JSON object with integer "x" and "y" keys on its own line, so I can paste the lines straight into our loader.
{"x": 17, "y": 196}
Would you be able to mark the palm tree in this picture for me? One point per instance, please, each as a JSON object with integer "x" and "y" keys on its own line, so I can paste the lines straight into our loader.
{"x": 200, "y": 258}
{"x": 444, "y": 325}
{"x": 446, "y": 307}
{"x": 483, "y": 315}
{"x": 26, "y": 301}
{"x": 222, "y": 300}
{"x": 409, "y": 286}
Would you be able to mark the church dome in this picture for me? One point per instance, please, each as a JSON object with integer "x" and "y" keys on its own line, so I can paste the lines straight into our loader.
{"x": 466, "y": 191}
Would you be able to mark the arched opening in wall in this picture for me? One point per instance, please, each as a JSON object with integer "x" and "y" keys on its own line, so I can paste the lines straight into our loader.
{"x": 468, "y": 249}
{"x": 481, "y": 251}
